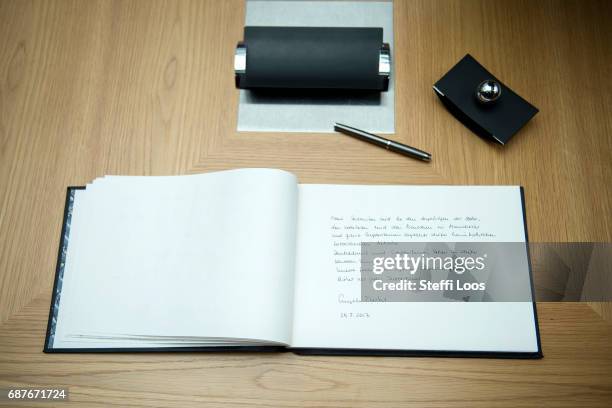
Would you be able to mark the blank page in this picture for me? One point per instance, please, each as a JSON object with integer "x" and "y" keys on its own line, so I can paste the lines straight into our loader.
{"x": 202, "y": 259}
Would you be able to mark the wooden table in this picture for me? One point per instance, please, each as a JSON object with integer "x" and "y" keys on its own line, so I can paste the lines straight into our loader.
{"x": 89, "y": 88}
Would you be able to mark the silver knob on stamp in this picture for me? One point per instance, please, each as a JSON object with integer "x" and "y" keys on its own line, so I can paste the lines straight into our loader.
{"x": 488, "y": 91}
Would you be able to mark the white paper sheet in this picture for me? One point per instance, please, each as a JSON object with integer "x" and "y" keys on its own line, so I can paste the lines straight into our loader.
{"x": 208, "y": 256}
{"x": 323, "y": 316}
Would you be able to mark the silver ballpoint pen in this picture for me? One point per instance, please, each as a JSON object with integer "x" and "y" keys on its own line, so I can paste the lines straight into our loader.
{"x": 382, "y": 142}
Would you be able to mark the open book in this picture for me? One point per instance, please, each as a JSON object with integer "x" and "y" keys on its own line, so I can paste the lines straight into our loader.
{"x": 249, "y": 259}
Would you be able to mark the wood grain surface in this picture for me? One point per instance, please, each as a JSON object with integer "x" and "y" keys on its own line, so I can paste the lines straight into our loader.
{"x": 89, "y": 88}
